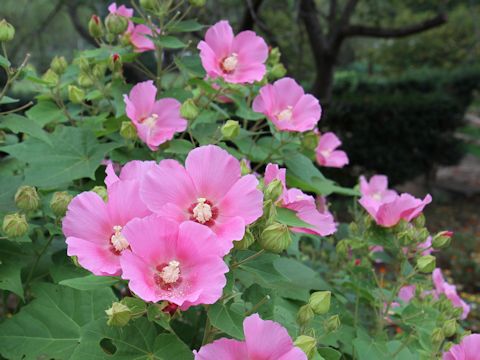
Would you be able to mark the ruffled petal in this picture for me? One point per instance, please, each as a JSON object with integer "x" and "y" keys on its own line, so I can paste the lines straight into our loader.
{"x": 224, "y": 349}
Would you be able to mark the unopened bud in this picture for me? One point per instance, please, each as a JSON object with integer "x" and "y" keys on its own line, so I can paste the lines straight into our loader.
{"x": 320, "y": 302}
{"x": 457, "y": 311}
{"x": 75, "y": 94}
{"x": 419, "y": 221}
{"x": 277, "y": 71}
{"x": 149, "y": 4}
{"x": 15, "y": 225}
{"x": 307, "y": 344}
{"x": 128, "y": 130}
{"x": 274, "y": 56}
{"x": 332, "y": 323}
{"x": 82, "y": 64}
{"x": 101, "y": 191}
{"x": 115, "y": 63}
{"x": 98, "y": 71}
{"x": 248, "y": 239}
{"x": 275, "y": 238}
{"x": 118, "y": 315}
{"x": 26, "y": 198}
{"x": 59, "y": 64}
{"x": 50, "y": 77}
{"x": 305, "y": 315}
{"x": 450, "y": 327}
{"x": 197, "y": 3}
{"x": 426, "y": 264}
{"x": 7, "y": 31}
{"x": 230, "y": 129}
{"x": 437, "y": 336}
{"x": 310, "y": 140}
{"x": 273, "y": 190}
{"x": 116, "y": 24}
{"x": 59, "y": 202}
{"x": 442, "y": 239}
{"x": 95, "y": 27}
{"x": 84, "y": 80}
{"x": 189, "y": 109}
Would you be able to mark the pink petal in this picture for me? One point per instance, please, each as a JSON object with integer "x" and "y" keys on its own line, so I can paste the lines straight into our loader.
{"x": 197, "y": 239}
{"x": 136, "y": 169}
{"x": 287, "y": 92}
{"x": 140, "y": 100}
{"x": 266, "y": 101}
{"x": 250, "y": 48}
{"x": 227, "y": 231}
{"x": 139, "y": 38}
{"x": 210, "y": 61}
{"x": 224, "y": 349}
{"x": 471, "y": 345}
{"x": 272, "y": 172}
{"x": 111, "y": 175}
{"x": 124, "y": 203}
{"x": 140, "y": 275}
{"x": 306, "y": 113}
{"x": 407, "y": 293}
{"x": 328, "y": 141}
{"x": 438, "y": 280}
{"x": 336, "y": 159}
{"x": 294, "y": 354}
{"x": 219, "y": 38}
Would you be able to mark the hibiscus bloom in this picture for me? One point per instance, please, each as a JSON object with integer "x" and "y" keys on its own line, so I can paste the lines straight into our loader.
{"x": 468, "y": 349}
{"x": 208, "y": 190}
{"x": 450, "y": 291}
{"x": 121, "y": 10}
{"x": 326, "y": 152}
{"x": 264, "y": 339}
{"x": 237, "y": 59}
{"x": 156, "y": 121}
{"x": 304, "y": 205}
{"x": 133, "y": 170}
{"x": 139, "y": 36}
{"x": 286, "y": 105}
{"x": 376, "y": 189}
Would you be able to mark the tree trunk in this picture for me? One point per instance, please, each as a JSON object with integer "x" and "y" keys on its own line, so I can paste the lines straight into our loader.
{"x": 323, "y": 85}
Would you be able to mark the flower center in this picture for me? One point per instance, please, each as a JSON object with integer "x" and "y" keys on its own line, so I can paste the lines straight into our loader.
{"x": 377, "y": 196}
{"x": 285, "y": 114}
{"x": 326, "y": 153}
{"x": 229, "y": 64}
{"x": 150, "y": 120}
{"x": 118, "y": 241}
{"x": 167, "y": 276}
{"x": 202, "y": 212}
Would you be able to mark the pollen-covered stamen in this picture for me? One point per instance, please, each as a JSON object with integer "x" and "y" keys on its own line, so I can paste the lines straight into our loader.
{"x": 118, "y": 241}
{"x": 229, "y": 64}
{"x": 326, "y": 153}
{"x": 202, "y": 212}
{"x": 150, "y": 120}
{"x": 377, "y": 196}
{"x": 170, "y": 273}
{"x": 286, "y": 114}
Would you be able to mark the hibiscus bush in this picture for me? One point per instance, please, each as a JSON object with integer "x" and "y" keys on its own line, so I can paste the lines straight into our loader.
{"x": 186, "y": 216}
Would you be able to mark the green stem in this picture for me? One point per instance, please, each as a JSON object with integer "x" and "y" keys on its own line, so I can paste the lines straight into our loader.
{"x": 37, "y": 260}
{"x": 208, "y": 330}
{"x": 251, "y": 257}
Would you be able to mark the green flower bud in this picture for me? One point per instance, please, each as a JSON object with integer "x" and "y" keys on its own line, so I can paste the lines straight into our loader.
{"x": 128, "y": 130}
{"x": 115, "y": 63}
{"x": 116, "y": 24}
{"x": 26, "y": 198}
{"x": 305, "y": 315}
{"x": 426, "y": 264}
{"x": 308, "y": 345}
{"x": 7, "y": 31}
{"x": 95, "y": 27}
{"x": 118, "y": 315}
{"x": 245, "y": 167}
{"x": 310, "y": 140}
{"x": 84, "y": 80}
{"x": 269, "y": 212}
{"x": 457, "y": 311}
{"x": 419, "y": 221}
{"x": 59, "y": 64}
{"x": 149, "y": 4}
{"x": 332, "y": 323}
{"x": 274, "y": 56}
{"x": 342, "y": 248}
{"x": 59, "y": 202}
{"x": 450, "y": 327}
{"x": 101, "y": 191}
{"x": 197, "y": 3}
{"x": 75, "y": 94}
{"x": 15, "y": 225}
{"x": 275, "y": 238}
{"x": 230, "y": 129}
{"x": 82, "y": 64}
{"x": 248, "y": 239}
{"x": 442, "y": 239}
{"x": 437, "y": 336}
{"x": 51, "y": 78}
{"x": 98, "y": 71}
{"x": 274, "y": 190}
{"x": 189, "y": 110}
{"x": 277, "y": 71}
{"x": 320, "y": 302}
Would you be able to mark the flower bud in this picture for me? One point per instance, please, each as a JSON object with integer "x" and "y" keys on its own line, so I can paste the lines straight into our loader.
{"x": 307, "y": 344}
{"x": 51, "y": 78}
{"x": 305, "y": 315}
{"x": 426, "y": 264}
{"x": 98, "y": 71}
{"x": 450, "y": 327}
{"x": 277, "y": 71}
{"x": 274, "y": 190}
{"x": 342, "y": 248}
{"x": 275, "y": 238}
{"x": 457, "y": 311}
{"x": 437, "y": 336}
{"x": 116, "y": 24}
{"x": 95, "y": 27}
{"x": 59, "y": 202}
{"x": 197, "y": 3}
{"x": 26, "y": 198}
{"x": 248, "y": 239}
{"x": 115, "y": 63}
{"x": 310, "y": 140}
{"x": 189, "y": 109}
{"x": 101, "y": 191}
{"x": 128, "y": 130}
{"x": 7, "y": 31}
{"x": 332, "y": 323}
{"x": 15, "y": 225}
{"x": 75, "y": 94}
{"x": 118, "y": 315}
{"x": 84, "y": 80}
{"x": 59, "y": 64}
{"x": 274, "y": 56}
{"x": 320, "y": 302}
{"x": 419, "y": 221}
{"x": 82, "y": 64}
{"x": 442, "y": 240}
{"x": 149, "y": 4}
{"x": 230, "y": 129}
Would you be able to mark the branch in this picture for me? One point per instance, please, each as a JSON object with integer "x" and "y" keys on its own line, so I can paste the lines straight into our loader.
{"x": 347, "y": 13}
{"x": 308, "y": 12}
{"x": 250, "y": 16}
{"x": 367, "y": 31}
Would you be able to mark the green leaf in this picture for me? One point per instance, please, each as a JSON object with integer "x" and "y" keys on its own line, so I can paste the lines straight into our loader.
{"x": 4, "y": 62}
{"x": 90, "y": 282}
{"x": 74, "y": 154}
{"x": 10, "y": 276}
{"x": 158, "y": 316}
{"x": 8, "y": 100}
{"x": 21, "y": 124}
{"x": 179, "y": 146}
{"x": 329, "y": 354}
{"x": 186, "y": 26}
{"x": 289, "y": 217}
{"x": 170, "y": 42}
{"x": 45, "y": 112}
{"x": 190, "y": 65}
{"x": 8, "y": 187}
{"x": 224, "y": 318}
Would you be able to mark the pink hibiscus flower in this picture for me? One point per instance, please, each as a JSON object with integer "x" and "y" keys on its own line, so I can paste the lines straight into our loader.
{"x": 450, "y": 291}
{"x": 93, "y": 228}
{"x": 286, "y": 105}
{"x": 237, "y": 59}
{"x": 139, "y": 37}
{"x": 468, "y": 349}
{"x": 304, "y": 205}
{"x": 156, "y": 121}
{"x": 172, "y": 262}
{"x": 121, "y": 10}
{"x": 377, "y": 189}
{"x": 407, "y": 293}
{"x": 208, "y": 190}
{"x": 264, "y": 340}
{"x": 133, "y": 170}
{"x": 326, "y": 152}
